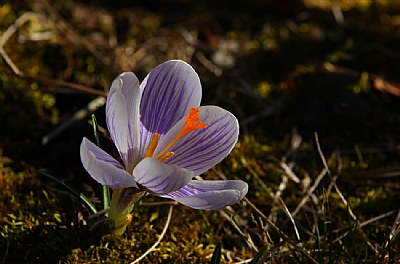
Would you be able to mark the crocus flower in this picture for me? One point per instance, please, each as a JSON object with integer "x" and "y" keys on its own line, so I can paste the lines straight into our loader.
{"x": 164, "y": 138}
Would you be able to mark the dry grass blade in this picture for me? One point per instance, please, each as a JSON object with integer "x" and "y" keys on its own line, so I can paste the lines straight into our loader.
{"x": 289, "y": 172}
{"x": 305, "y": 199}
{"x": 64, "y": 26}
{"x": 24, "y": 18}
{"x": 286, "y": 210}
{"x": 264, "y": 217}
{"x": 371, "y": 245}
{"x": 159, "y": 239}
{"x": 7, "y": 35}
{"x": 246, "y": 236}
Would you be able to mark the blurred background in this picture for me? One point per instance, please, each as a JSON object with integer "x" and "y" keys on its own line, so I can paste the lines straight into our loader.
{"x": 286, "y": 69}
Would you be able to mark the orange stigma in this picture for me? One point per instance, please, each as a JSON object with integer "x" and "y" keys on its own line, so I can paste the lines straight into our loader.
{"x": 192, "y": 123}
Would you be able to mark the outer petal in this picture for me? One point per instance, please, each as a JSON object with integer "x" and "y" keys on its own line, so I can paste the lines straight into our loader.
{"x": 201, "y": 149}
{"x": 159, "y": 177}
{"x": 122, "y": 111}
{"x": 210, "y": 195}
{"x": 169, "y": 91}
{"x": 104, "y": 168}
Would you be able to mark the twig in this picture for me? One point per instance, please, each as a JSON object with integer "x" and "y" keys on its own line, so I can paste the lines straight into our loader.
{"x": 247, "y": 236}
{"x": 244, "y": 261}
{"x": 280, "y": 231}
{"x": 344, "y": 201}
{"x": 7, "y": 35}
{"x": 390, "y": 238}
{"x": 281, "y": 188}
{"x": 365, "y": 223}
{"x": 310, "y": 191}
{"x": 75, "y": 86}
{"x": 208, "y": 64}
{"x": 289, "y": 172}
{"x": 79, "y": 115}
{"x": 64, "y": 26}
{"x": 337, "y": 12}
{"x": 11, "y": 31}
{"x": 159, "y": 239}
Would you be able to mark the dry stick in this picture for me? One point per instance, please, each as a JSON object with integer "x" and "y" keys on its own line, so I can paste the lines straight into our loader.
{"x": 11, "y": 31}
{"x": 7, "y": 35}
{"x": 289, "y": 172}
{"x": 63, "y": 25}
{"x": 92, "y": 106}
{"x": 208, "y": 64}
{"x": 244, "y": 261}
{"x": 344, "y": 201}
{"x": 305, "y": 199}
{"x": 159, "y": 239}
{"x": 337, "y": 12}
{"x": 281, "y": 188}
{"x": 79, "y": 115}
{"x": 247, "y": 236}
{"x": 74, "y": 86}
{"x": 280, "y": 231}
{"x": 394, "y": 232}
{"x": 334, "y": 178}
{"x": 365, "y": 223}
{"x": 379, "y": 217}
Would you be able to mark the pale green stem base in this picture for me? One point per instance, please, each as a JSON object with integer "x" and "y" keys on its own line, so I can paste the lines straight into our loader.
{"x": 122, "y": 202}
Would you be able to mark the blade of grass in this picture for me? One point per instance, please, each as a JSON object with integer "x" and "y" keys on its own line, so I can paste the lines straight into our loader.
{"x": 72, "y": 190}
{"x": 105, "y": 189}
{"x": 260, "y": 257}
{"x": 216, "y": 257}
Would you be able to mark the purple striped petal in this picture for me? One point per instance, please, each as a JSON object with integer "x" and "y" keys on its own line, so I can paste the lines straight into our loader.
{"x": 122, "y": 111}
{"x": 169, "y": 91}
{"x": 201, "y": 149}
{"x": 159, "y": 177}
{"x": 210, "y": 195}
{"x": 104, "y": 168}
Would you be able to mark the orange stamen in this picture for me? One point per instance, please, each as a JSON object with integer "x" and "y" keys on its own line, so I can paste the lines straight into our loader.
{"x": 152, "y": 146}
{"x": 192, "y": 123}
{"x": 167, "y": 156}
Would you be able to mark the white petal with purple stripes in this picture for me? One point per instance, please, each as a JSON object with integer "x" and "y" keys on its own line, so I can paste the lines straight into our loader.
{"x": 103, "y": 168}
{"x": 159, "y": 177}
{"x": 210, "y": 195}
{"x": 169, "y": 91}
{"x": 201, "y": 149}
{"x": 122, "y": 112}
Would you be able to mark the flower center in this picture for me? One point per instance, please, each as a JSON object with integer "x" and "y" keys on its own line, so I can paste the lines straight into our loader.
{"x": 192, "y": 123}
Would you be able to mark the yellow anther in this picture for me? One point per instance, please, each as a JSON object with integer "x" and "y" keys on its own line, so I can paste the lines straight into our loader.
{"x": 152, "y": 146}
{"x": 166, "y": 156}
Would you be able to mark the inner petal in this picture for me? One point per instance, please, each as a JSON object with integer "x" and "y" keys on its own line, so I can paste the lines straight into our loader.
{"x": 169, "y": 91}
{"x": 202, "y": 149}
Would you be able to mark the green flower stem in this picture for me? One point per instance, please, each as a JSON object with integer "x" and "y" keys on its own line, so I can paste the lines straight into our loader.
{"x": 122, "y": 203}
